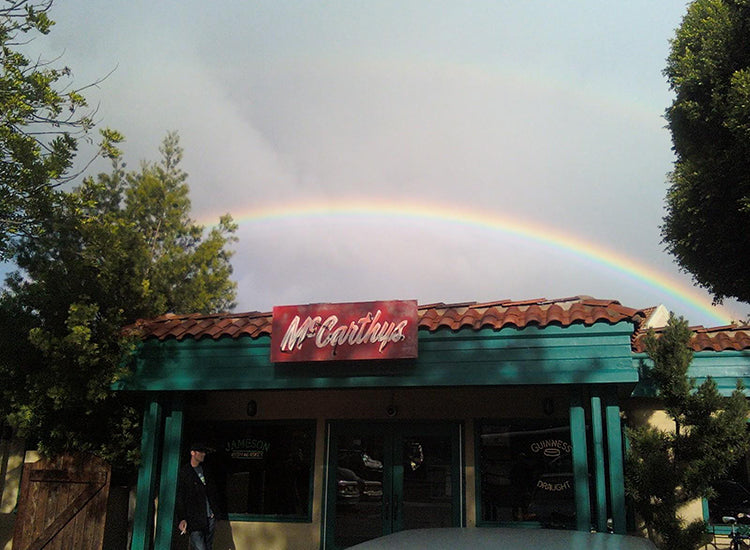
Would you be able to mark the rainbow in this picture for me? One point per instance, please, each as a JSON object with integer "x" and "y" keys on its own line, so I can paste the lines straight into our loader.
{"x": 535, "y": 232}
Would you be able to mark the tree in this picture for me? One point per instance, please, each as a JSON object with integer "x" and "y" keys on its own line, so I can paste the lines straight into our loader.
{"x": 119, "y": 247}
{"x": 187, "y": 273}
{"x": 41, "y": 124}
{"x": 667, "y": 469}
{"x": 708, "y": 202}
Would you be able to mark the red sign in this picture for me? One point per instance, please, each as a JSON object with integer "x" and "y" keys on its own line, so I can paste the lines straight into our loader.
{"x": 350, "y": 332}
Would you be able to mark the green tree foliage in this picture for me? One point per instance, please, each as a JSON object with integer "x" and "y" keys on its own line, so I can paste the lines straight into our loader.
{"x": 708, "y": 202}
{"x": 667, "y": 469}
{"x": 41, "y": 123}
{"x": 118, "y": 248}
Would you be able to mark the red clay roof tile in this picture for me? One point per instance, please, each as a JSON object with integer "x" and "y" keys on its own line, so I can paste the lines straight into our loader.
{"x": 432, "y": 317}
{"x": 724, "y": 338}
{"x": 495, "y": 315}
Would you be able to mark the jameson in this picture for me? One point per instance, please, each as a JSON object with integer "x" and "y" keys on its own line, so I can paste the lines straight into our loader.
{"x": 247, "y": 444}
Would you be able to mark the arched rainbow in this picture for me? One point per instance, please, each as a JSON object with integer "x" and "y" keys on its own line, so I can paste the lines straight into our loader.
{"x": 535, "y": 232}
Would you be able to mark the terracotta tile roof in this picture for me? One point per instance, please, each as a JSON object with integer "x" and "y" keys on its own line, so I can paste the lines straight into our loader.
{"x": 539, "y": 312}
{"x": 469, "y": 315}
{"x": 728, "y": 337}
{"x": 197, "y": 326}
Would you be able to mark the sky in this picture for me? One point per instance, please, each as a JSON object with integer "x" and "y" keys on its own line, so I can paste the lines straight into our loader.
{"x": 444, "y": 151}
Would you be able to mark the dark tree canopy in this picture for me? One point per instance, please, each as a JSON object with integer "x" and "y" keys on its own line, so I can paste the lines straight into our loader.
{"x": 667, "y": 469}
{"x": 119, "y": 247}
{"x": 708, "y": 202}
{"x": 42, "y": 120}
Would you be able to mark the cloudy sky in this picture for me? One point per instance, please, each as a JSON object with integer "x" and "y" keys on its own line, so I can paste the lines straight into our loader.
{"x": 431, "y": 150}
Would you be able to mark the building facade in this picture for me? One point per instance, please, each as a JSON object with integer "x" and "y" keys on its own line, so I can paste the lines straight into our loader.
{"x": 503, "y": 413}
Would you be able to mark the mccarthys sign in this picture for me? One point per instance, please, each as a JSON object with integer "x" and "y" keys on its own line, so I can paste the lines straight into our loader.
{"x": 351, "y": 332}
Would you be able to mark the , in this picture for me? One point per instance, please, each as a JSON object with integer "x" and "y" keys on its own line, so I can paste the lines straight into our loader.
{"x": 505, "y": 538}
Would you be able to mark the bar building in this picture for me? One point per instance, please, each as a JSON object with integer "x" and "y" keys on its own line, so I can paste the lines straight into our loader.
{"x": 336, "y": 423}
